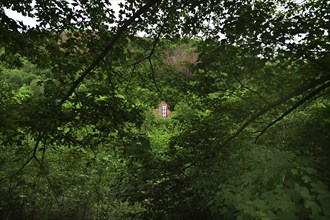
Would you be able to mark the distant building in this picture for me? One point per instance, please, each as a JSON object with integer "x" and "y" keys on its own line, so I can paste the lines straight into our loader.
{"x": 162, "y": 110}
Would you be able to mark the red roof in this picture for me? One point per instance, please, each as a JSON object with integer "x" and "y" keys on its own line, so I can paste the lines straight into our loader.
{"x": 163, "y": 103}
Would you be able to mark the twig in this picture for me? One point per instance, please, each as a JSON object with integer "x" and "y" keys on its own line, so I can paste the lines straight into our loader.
{"x": 109, "y": 77}
{"x": 251, "y": 90}
{"x": 245, "y": 99}
{"x": 26, "y": 162}
{"x": 156, "y": 41}
{"x": 154, "y": 79}
{"x": 46, "y": 176}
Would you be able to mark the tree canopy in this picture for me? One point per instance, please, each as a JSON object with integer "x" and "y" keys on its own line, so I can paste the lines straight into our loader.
{"x": 247, "y": 81}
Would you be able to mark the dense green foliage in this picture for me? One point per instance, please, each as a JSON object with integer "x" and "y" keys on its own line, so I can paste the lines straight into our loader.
{"x": 247, "y": 81}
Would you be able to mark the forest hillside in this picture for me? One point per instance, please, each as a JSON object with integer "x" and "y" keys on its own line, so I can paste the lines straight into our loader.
{"x": 241, "y": 95}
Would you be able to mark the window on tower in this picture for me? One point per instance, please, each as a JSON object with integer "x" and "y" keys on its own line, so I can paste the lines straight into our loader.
{"x": 164, "y": 111}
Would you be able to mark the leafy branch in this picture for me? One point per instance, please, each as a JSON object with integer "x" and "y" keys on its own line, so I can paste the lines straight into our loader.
{"x": 280, "y": 101}
{"x": 323, "y": 80}
{"x": 100, "y": 57}
{"x": 295, "y": 106}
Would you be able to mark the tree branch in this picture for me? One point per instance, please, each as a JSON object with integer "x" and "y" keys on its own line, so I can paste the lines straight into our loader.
{"x": 246, "y": 100}
{"x": 295, "y": 106}
{"x": 251, "y": 90}
{"x": 261, "y": 112}
{"x": 280, "y": 101}
{"x": 154, "y": 79}
{"x": 26, "y": 162}
{"x": 156, "y": 40}
{"x": 42, "y": 169}
{"x": 105, "y": 51}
